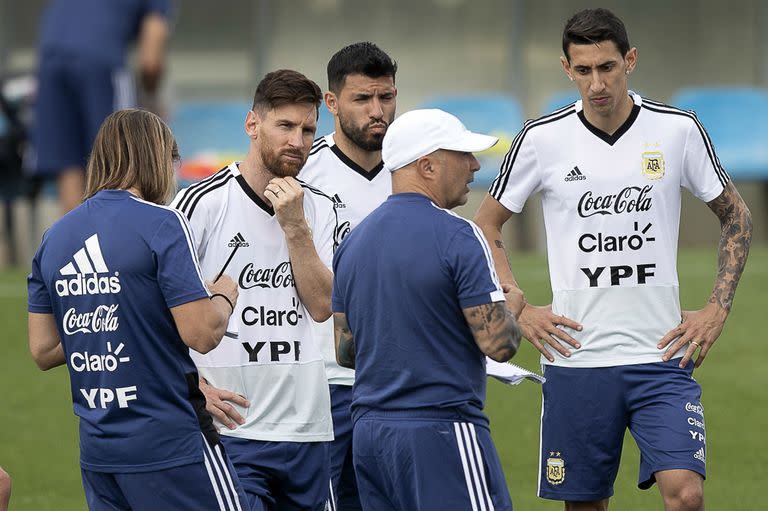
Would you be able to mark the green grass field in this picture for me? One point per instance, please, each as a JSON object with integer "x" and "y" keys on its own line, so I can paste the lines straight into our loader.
{"x": 38, "y": 432}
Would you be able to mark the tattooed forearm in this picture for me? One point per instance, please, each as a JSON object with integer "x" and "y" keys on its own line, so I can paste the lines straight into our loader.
{"x": 494, "y": 329}
{"x": 735, "y": 238}
{"x": 345, "y": 343}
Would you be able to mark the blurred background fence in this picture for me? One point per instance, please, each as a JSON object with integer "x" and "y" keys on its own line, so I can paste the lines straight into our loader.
{"x": 493, "y": 62}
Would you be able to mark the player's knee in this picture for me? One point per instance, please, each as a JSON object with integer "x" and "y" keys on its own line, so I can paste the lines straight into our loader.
{"x": 689, "y": 497}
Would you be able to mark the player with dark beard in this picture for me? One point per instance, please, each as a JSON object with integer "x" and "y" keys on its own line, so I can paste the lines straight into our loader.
{"x": 346, "y": 164}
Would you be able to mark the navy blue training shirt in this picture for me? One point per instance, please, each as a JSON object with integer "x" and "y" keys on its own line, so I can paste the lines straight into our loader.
{"x": 99, "y": 29}
{"x": 402, "y": 277}
{"x": 109, "y": 271}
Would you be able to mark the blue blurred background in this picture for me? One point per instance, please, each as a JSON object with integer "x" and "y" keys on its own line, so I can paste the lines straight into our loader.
{"x": 494, "y": 63}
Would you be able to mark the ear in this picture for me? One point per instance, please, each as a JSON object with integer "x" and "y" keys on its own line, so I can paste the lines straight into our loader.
{"x": 631, "y": 60}
{"x": 252, "y": 122}
{"x": 331, "y": 101}
{"x": 566, "y": 67}
{"x": 426, "y": 167}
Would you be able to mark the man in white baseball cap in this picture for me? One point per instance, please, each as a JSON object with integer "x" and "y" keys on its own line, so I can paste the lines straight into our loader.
{"x": 418, "y": 327}
{"x": 423, "y": 142}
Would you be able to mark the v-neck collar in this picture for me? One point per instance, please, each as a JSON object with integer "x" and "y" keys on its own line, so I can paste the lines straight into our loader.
{"x": 605, "y": 137}
{"x": 354, "y": 166}
{"x": 254, "y": 196}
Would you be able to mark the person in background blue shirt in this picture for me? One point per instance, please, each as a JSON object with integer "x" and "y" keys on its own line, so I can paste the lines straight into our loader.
{"x": 82, "y": 78}
{"x": 116, "y": 293}
{"x": 417, "y": 307}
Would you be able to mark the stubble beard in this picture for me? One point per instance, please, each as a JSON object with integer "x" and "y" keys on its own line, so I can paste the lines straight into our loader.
{"x": 360, "y": 137}
{"x": 278, "y": 167}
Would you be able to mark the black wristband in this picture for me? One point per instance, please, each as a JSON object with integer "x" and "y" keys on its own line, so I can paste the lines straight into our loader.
{"x": 231, "y": 305}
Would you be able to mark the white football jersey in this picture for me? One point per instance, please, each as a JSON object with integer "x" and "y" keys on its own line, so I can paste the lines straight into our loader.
{"x": 274, "y": 361}
{"x": 355, "y": 194}
{"x": 612, "y": 212}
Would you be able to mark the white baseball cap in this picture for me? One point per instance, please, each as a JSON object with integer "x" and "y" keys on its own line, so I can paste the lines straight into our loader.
{"x": 421, "y": 132}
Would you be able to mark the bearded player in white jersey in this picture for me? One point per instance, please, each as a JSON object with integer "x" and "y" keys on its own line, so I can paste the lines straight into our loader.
{"x": 617, "y": 348}
{"x": 265, "y": 384}
{"x": 346, "y": 164}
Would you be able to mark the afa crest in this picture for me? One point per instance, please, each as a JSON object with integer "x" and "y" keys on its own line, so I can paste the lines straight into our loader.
{"x": 555, "y": 469}
{"x": 653, "y": 165}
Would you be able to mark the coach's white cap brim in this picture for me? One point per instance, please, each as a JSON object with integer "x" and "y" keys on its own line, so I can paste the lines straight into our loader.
{"x": 421, "y": 132}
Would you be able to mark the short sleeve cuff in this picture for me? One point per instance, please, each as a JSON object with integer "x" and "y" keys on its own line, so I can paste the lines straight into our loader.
{"x": 186, "y": 298}
{"x": 337, "y": 306}
{"x": 39, "y": 309}
{"x": 482, "y": 299}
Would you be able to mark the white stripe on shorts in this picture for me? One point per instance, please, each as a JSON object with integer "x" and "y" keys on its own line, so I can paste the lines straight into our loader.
{"x": 213, "y": 480}
{"x": 474, "y": 467}
{"x": 331, "y": 504}
{"x": 220, "y": 477}
{"x": 230, "y": 484}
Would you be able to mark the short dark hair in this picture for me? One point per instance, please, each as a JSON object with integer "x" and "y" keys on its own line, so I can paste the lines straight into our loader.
{"x": 363, "y": 58}
{"x": 592, "y": 26}
{"x": 283, "y": 87}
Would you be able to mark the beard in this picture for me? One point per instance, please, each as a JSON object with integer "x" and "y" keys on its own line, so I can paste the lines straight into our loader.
{"x": 360, "y": 136}
{"x": 279, "y": 167}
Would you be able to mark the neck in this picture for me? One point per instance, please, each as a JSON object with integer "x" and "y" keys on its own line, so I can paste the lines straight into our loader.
{"x": 611, "y": 122}
{"x": 367, "y": 160}
{"x": 256, "y": 175}
{"x": 408, "y": 184}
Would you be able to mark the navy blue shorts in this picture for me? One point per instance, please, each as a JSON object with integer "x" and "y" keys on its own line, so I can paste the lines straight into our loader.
{"x": 281, "y": 476}
{"x": 344, "y": 494}
{"x": 417, "y": 463}
{"x": 211, "y": 485}
{"x": 586, "y": 412}
{"x": 74, "y": 97}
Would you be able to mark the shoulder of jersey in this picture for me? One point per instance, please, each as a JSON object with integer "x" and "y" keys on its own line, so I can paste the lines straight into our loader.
{"x": 319, "y": 146}
{"x": 662, "y": 108}
{"x": 190, "y": 198}
{"x": 552, "y": 117}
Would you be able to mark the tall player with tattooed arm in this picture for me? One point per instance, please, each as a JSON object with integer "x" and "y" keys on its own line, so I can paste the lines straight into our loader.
{"x": 610, "y": 168}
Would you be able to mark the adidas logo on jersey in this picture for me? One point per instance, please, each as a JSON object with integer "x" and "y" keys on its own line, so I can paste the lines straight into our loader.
{"x": 700, "y": 455}
{"x": 337, "y": 203}
{"x": 575, "y": 175}
{"x": 84, "y": 273}
{"x": 238, "y": 241}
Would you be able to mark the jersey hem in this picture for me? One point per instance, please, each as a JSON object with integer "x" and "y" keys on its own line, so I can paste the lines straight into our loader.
{"x": 648, "y": 359}
{"x": 346, "y": 382}
{"x": 150, "y": 467}
{"x": 313, "y": 437}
